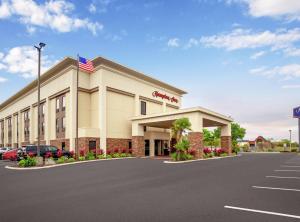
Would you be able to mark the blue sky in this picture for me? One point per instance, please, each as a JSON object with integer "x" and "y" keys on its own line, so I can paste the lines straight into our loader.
{"x": 237, "y": 57}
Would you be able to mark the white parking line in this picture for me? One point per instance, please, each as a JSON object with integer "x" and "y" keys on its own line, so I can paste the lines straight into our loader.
{"x": 275, "y": 188}
{"x": 287, "y": 170}
{"x": 263, "y": 212}
{"x": 289, "y": 166}
{"x": 283, "y": 177}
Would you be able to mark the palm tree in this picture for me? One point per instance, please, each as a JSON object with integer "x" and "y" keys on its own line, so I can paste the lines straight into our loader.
{"x": 179, "y": 127}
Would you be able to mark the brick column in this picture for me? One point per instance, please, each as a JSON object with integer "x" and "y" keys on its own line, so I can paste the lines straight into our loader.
{"x": 138, "y": 146}
{"x": 196, "y": 143}
{"x": 226, "y": 143}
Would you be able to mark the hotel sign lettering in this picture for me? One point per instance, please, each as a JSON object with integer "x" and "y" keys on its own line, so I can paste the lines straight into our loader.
{"x": 157, "y": 94}
{"x": 296, "y": 112}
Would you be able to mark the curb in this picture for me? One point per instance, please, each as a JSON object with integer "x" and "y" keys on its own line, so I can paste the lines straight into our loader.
{"x": 260, "y": 152}
{"x": 190, "y": 161}
{"x": 64, "y": 164}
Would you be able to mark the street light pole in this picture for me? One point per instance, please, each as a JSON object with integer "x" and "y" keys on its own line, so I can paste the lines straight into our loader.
{"x": 39, "y": 48}
{"x": 290, "y": 140}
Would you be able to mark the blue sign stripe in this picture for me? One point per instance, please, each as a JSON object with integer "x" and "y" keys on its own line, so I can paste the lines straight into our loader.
{"x": 296, "y": 112}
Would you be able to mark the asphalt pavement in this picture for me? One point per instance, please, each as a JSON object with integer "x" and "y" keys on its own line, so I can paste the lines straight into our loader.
{"x": 252, "y": 187}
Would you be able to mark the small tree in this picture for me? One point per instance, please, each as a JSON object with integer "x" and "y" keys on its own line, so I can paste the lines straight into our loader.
{"x": 180, "y": 126}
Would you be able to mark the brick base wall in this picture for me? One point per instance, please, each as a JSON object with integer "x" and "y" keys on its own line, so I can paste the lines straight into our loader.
{"x": 42, "y": 142}
{"x": 138, "y": 146}
{"x": 25, "y": 143}
{"x": 120, "y": 144}
{"x": 196, "y": 143}
{"x": 226, "y": 143}
{"x": 8, "y": 144}
{"x": 83, "y": 143}
{"x": 58, "y": 143}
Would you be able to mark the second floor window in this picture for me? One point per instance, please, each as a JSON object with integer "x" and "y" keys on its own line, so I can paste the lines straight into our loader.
{"x": 57, "y": 125}
{"x": 143, "y": 108}
{"x": 63, "y": 124}
{"x": 57, "y": 105}
{"x": 63, "y": 103}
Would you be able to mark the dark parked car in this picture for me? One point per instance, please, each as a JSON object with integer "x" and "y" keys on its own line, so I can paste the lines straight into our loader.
{"x": 44, "y": 150}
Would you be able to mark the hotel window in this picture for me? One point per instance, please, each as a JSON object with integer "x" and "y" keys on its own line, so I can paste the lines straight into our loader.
{"x": 26, "y": 125}
{"x": 42, "y": 109}
{"x": 2, "y": 132}
{"x": 9, "y": 130}
{"x": 57, "y": 105}
{"x": 143, "y": 108}
{"x": 63, "y": 120}
{"x": 42, "y": 120}
{"x": 63, "y": 103}
{"x": 57, "y": 125}
{"x": 43, "y": 128}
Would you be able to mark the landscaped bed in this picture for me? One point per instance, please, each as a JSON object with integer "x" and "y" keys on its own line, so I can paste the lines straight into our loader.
{"x": 30, "y": 161}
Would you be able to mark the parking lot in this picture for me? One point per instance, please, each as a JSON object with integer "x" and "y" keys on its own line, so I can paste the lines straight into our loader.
{"x": 252, "y": 187}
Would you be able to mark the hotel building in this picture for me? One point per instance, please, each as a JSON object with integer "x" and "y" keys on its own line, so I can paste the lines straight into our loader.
{"x": 118, "y": 107}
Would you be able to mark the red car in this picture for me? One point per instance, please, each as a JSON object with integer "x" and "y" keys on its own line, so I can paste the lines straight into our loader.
{"x": 10, "y": 155}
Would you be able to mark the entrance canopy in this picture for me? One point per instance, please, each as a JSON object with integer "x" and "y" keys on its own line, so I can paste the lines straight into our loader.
{"x": 198, "y": 116}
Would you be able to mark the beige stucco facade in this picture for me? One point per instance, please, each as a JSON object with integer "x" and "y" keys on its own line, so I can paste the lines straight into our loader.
{"x": 109, "y": 101}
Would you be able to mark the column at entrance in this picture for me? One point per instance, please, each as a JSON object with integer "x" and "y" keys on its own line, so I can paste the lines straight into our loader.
{"x": 138, "y": 146}
{"x": 226, "y": 138}
{"x": 138, "y": 140}
{"x": 196, "y": 143}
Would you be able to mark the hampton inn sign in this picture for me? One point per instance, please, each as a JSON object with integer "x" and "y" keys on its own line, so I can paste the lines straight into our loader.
{"x": 164, "y": 96}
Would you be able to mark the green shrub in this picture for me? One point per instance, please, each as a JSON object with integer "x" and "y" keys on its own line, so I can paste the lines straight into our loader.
{"x": 108, "y": 156}
{"x": 81, "y": 158}
{"x": 223, "y": 154}
{"x": 102, "y": 156}
{"x": 123, "y": 155}
{"x": 70, "y": 160}
{"x": 90, "y": 156}
{"x": 22, "y": 163}
{"x": 208, "y": 155}
{"x": 60, "y": 160}
{"x": 28, "y": 162}
{"x": 189, "y": 157}
{"x": 294, "y": 149}
{"x": 116, "y": 155}
{"x": 128, "y": 155}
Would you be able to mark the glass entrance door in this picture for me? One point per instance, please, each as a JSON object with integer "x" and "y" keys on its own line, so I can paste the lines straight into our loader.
{"x": 147, "y": 148}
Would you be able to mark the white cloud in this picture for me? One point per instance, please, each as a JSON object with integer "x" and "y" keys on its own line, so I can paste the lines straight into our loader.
{"x": 292, "y": 51}
{"x": 191, "y": 43}
{"x": 2, "y": 80}
{"x": 290, "y": 86}
{"x": 23, "y": 61}
{"x": 174, "y": 42}
{"x": 92, "y": 8}
{"x": 287, "y": 71}
{"x": 4, "y": 10}
{"x": 258, "y": 54}
{"x": 54, "y": 14}
{"x": 245, "y": 38}
{"x": 279, "y": 9}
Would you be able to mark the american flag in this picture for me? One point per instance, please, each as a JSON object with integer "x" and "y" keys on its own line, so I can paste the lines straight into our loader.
{"x": 85, "y": 64}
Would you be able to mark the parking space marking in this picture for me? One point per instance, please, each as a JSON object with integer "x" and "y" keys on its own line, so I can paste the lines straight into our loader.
{"x": 287, "y": 170}
{"x": 289, "y": 166}
{"x": 262, "y": 212}
{"x": 283, "y": 177}
{"x": 275, "y": 188}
